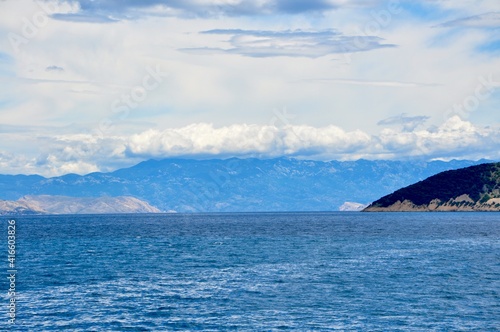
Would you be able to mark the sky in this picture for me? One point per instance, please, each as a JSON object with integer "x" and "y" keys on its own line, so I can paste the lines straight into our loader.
{"x": 91, "y": 85}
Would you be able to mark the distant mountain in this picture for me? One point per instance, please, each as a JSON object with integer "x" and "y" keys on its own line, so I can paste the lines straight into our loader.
{"x": 475, "y": 188}
{"x": 18, "y": 208}
{"x": 246, "y": 185}
{"x": 47, "y": 204}
{"x": 352, "y": 207}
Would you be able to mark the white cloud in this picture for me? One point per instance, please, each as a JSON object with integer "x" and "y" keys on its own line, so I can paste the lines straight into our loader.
{"x": 226, "y": 88}
{"x": 204, "y": 139}
{"x": 83, "y": 153}
{"x": 57, "y": 166}
{"x": 246, "y": 141}
{"x": 73, "y": 71}
{"x": 455, "y": 138}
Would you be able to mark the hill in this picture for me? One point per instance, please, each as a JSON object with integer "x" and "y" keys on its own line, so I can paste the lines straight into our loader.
{"x": 46, "y": 204}
{"x": 242, "y": 185}
{"x": 475, "y": 188}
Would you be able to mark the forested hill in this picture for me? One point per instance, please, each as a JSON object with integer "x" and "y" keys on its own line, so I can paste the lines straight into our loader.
{"x": 474, "y": 188}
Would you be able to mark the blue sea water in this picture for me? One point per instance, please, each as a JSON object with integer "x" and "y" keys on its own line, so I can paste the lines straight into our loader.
{"x": 257, "y": 272}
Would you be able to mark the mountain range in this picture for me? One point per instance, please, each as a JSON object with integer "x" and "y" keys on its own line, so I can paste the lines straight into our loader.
{"x": 242, "y": 185}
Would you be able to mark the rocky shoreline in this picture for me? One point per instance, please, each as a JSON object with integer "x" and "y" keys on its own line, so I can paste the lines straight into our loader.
{"x": 474, "y": 188}
{"x": 437, "y": 206}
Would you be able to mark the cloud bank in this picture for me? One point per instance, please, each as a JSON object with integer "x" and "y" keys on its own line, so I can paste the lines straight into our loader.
{"x": 81, "y": 62}
{"x": 83, "y": 153}
{"x": 455, "y": 138}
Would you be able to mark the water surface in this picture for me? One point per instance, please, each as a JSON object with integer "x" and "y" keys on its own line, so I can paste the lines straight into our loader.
{"x": 267, "y": 271}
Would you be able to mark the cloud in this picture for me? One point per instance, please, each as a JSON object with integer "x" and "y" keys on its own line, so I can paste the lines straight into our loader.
{"x": 409, "y": 123}
{"x": 83, "y": 153}
{"x": 454, "y": 139}
{"x": 245, "y": 141}
{"x": 204, "y": 139}
{"x": 78, "y": 153}
{"x": 486, "y": 20}
{"x": 105, "y": 11}
{"x": 52, "y": 164}
{"x": 291, "y": 43}
{"x": 226, "y": 90}
{"x": 15, "y": 163}
{"x": 54, "y": 68}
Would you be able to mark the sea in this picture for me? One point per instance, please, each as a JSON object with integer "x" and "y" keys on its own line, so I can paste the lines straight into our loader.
{"x": 253, "y": 272}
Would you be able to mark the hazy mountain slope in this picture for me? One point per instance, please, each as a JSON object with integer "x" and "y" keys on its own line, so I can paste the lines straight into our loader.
{"x": 46, "y": 204}
{"x": 475, "y": 188}
{"x": 18, "y": 208}
{"x": 280, "y": 184}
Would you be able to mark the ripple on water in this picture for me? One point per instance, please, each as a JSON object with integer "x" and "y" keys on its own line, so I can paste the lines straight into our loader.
{"x": 324, "y": 271}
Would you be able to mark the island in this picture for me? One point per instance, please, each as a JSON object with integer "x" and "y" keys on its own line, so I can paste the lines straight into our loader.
{"x": 474, "y": 188}
{"x": 50, "y": 204}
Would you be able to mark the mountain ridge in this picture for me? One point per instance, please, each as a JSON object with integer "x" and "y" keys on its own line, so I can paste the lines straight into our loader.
{"x": 237, "y": 185}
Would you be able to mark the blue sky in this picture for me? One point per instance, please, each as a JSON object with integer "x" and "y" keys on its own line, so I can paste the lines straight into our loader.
{"x": 97, "y": 85}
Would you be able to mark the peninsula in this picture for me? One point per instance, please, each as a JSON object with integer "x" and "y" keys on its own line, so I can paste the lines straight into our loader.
{"x": 474, "y": 188}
